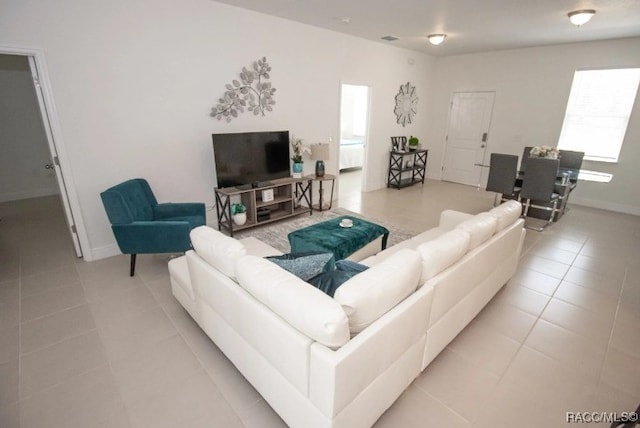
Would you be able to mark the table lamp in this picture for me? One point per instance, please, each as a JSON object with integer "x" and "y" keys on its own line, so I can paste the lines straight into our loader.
{"x": 319, "y": 152}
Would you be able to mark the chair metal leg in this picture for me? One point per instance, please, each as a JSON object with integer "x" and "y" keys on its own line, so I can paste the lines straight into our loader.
{"x": 553, "y": 210}
{"x": 133, "y": 265}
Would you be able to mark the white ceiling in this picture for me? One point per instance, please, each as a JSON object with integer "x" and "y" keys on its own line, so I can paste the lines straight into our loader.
{"x": 470, "y": 25}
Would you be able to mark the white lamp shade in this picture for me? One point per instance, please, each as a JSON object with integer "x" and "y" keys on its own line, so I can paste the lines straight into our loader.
{"x": 320, "y": 151}
{"x": 580, "y": 17}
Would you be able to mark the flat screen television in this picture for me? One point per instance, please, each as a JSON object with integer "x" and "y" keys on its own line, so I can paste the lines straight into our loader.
{"x": 251, "y": 158}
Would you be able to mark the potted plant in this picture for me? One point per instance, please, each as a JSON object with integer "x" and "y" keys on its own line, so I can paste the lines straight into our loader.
{"x": 239, "y": 213}
{"x": 298, "y": 149}
{"x": 413, "y": 143}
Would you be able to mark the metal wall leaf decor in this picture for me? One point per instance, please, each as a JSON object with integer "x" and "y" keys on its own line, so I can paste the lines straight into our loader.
{"x": 406, "y": 104}
{"x": 252, "y": 93}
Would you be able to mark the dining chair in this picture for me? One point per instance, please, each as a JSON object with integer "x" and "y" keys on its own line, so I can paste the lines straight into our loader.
{"x": 502, "y": 177}
{"x": 538, "y": 186}
{"x": 525, "y": 157}
{"x": 571, "y": 162}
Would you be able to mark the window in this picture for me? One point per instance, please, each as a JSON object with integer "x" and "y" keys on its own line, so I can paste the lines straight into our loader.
{"x": 598, "y": 112}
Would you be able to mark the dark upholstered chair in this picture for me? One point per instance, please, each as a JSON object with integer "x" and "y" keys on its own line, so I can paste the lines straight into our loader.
{"x": 538, "y": 185}
{"x": 571, "y": 162}
{"x": 502, "y": 177}
{"x": 143, "y": 226}
{"x": 525, "y": 157}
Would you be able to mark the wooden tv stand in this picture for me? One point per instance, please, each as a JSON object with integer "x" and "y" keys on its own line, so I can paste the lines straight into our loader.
{"x": 291, "y": 197}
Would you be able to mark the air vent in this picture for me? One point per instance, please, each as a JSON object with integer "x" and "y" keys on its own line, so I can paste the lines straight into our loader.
{"x": 389, "y": 38}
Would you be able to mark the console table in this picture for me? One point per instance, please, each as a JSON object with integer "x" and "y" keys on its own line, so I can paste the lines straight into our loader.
{"x": 406, "y": 168}
{"x": 291, "y": 197}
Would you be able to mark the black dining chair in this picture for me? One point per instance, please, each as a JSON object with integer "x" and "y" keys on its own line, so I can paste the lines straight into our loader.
{"x": 538, "y": 186}
{"x": 525, "y": 157}
{"x": 502, "y": 177}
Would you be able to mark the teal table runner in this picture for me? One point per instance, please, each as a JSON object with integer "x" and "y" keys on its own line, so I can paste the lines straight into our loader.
{"x": 329, "y": 236}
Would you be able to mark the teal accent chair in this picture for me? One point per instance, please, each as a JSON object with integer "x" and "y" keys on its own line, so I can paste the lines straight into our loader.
{"x": 143, "y": 226}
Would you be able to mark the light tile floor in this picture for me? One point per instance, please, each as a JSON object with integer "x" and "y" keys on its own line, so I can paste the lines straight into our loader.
{"x": 84, "y": 345}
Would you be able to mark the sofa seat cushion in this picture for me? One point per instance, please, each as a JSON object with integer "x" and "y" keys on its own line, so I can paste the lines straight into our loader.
{"x": 305, "y": 265}
{"x": 480, "y": 227}
{"x": 304, "y": 307}
{"x": 506, "y": 213}
{"x": 370, "y": 294}
{"x": 217, "y": 249}
{"x": 440, "y": 253}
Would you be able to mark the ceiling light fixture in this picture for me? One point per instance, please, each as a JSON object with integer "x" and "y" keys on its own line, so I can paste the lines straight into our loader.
{"x": 580, "y": 17}
{"x": 436, "y": 39}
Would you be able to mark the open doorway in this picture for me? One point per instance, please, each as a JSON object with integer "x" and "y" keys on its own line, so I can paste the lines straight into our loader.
{"x": 31, "y": 162}
{"x": 354, "y": 130}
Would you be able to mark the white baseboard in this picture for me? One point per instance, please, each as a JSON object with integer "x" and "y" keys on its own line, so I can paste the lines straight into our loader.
{"x": 603, "y": 205}
{"x": 102, "y": 252}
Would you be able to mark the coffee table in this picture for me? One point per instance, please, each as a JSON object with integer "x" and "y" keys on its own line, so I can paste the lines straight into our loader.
{"x": 343, "y": 242}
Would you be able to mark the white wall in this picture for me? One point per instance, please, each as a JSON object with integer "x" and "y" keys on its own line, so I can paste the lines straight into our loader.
{"x": 134, "y": 81}
{"x": 532, "y": 88}
{"x": 23, "y": 142}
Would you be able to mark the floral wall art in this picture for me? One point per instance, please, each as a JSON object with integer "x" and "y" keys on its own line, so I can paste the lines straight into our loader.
{"x": 406, "y": 104}
{"x": 252, "y": 92}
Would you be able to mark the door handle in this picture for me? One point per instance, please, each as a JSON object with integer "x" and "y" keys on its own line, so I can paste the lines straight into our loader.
{"x": 48, "y": 166}
{"x": 484, "y": 137}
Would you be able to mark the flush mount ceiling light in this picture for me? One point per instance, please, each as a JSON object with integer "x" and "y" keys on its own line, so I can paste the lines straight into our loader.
{"x": 436, "y": 39}
{"x": 579, "y": 17}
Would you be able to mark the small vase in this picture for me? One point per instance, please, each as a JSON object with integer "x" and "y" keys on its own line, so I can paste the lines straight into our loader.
{"x": 297, "y": 169}
{"x": 240, "y": 218}
{"x": 319, "y": 168}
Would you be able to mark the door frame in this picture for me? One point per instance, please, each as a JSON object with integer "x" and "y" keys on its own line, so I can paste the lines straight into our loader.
{"x": 364, "y": 180}
{"x": 56, "y": 145}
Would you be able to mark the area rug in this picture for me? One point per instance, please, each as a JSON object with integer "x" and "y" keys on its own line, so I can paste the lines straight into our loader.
{"x": 275, "y": 234}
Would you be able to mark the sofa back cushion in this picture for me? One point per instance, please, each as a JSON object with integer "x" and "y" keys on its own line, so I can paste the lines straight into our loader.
{"x": 480, "y": 227}
{"x": 506, "y": 213}
{"x": 219, "y": 250}
{"x": 370, "y": 294}
{"x": 304, "y": 307}
{"x": 442, "y": 252}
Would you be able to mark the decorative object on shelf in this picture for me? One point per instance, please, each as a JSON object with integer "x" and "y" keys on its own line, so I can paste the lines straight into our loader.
{"x": 252, "y": 92}
{"x": 267, "y": 195}
{"x": 398, "y": 144}
{"x": 413, "y": 143}
{"x": 544, "y": 152}
{"x": 239, "y": 213}
{"x": 320, "y": 153}
{"x": 298, "y": 149}
{"x": 406, "y": 104}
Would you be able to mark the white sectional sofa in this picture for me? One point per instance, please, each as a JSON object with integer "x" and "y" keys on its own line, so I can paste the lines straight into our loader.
{"x": 341, "y": 362}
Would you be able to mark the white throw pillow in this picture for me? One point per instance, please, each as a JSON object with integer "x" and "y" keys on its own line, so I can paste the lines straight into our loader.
{"x": 303, "y": 306}
{"x": 370, "y": 294}
{"x": 442, "y": 252}
{"x": 507, "y": 213}
{"x": 219, "y": 250}
{"x": 480, "y": 227}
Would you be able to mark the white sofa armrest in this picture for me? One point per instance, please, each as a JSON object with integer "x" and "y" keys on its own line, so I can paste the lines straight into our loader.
{"x": 450, "y": 218}
{"x": 338, "y": 377}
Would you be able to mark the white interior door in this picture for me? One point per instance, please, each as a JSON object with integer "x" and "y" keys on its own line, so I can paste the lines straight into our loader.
{"x": 467, "y": 136}
{"x": 55, "y": 164}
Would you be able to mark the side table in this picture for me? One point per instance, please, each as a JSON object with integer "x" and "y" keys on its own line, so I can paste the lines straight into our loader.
{"x": 326, "y": 177}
